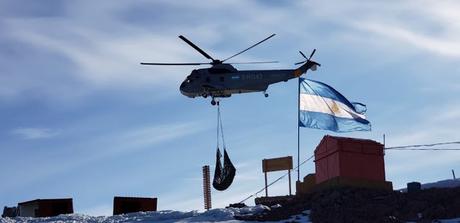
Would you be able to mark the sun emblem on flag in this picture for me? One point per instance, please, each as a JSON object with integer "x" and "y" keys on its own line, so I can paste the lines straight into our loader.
{"x": 335, "y": 108}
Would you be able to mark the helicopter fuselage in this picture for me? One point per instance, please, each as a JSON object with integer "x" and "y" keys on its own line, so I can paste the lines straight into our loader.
{"x": 206, "y": 82}
{"x": 224, "y": 80}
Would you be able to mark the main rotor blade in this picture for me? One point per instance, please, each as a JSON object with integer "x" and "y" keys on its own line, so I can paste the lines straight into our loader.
{"x": 300, "y": 62}
{"x": 173, "y": 64}
{"x": 195, "y": 47}
{"x": 303, "y": 55}
{"x": 250, "y": 47}
{"x": 312, "y": 53}
{"x": 257, "y": 62}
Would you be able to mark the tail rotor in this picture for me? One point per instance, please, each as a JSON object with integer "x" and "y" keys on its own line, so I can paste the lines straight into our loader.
{"x": 306, "y": 59}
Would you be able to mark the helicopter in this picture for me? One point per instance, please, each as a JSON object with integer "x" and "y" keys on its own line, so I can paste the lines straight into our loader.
{"x": 221, "y": 80}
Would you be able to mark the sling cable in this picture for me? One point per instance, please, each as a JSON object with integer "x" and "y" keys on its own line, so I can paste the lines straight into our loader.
{"x": 223, "y": 174}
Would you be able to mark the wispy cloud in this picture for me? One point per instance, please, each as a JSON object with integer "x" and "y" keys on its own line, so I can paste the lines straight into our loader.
{"x": 35, "y": 133}
{"x": 106, "y": 53}
{"x": 439, "y": 45}
{"x": 116, "y": 144}
{"x": 434, "y": 30}
{"x": 434, "y": 124}
{"x": 140, "y": 138}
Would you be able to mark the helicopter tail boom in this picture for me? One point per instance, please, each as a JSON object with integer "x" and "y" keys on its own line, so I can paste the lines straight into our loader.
{"x": 309, "y": 65}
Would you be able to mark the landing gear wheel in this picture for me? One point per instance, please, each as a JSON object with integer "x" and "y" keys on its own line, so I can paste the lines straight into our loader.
{"x": 204, "y": 95}
{"x": 213, "y": 102}
{"x": 266, "y": 95}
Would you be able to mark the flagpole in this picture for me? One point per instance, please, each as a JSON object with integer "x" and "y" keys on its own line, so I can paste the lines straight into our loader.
{"x": 298, "y": 130}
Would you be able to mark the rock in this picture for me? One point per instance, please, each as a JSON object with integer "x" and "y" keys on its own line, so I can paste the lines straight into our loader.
{"x": 369, "y": 205}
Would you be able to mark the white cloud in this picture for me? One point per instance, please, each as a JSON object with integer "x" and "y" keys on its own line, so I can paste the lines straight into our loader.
{"x": 140, "y": 138}
{"x": 430, "y": 125}
{"x": 135, "y": 140}
{"x": 442, "y": 46}
{"x": 35, "y": 133}
{"x": 117, "y": 143}
{"x": 102, "y": 60}
{"x": 106, "y": 49}
{"x": 434, "y": 30}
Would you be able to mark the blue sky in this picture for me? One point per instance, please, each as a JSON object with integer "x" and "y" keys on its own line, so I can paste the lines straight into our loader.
{"x": 81, "y": 118}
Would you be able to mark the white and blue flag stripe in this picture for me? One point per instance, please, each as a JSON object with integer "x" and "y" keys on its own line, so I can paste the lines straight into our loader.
{"x": 322, "y": 107}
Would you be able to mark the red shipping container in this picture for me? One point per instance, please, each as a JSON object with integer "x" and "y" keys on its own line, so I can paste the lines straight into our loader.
{"x": 349, "y": 157}
{"x": 45, "y": 207}
{"x": 124, "y": 205}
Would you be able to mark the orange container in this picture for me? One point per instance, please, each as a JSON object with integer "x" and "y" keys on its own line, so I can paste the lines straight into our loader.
{"x": 349, "y": 157}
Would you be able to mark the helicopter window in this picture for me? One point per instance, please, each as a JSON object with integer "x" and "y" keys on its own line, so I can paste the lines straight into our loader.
{"x": 218, "y": 71}
{"x": 208, "y": 79}
{"x": 221, "y": 78}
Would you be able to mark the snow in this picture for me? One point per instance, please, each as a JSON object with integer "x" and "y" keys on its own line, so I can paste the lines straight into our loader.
{"x": 442, "y": 184}
{"x": 455, "y": 220}
{"x": 439, "y": 184}
{"x": 224, "y": 215}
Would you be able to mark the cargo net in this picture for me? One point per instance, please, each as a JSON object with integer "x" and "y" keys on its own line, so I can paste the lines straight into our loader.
{"x": 223, "y": 174}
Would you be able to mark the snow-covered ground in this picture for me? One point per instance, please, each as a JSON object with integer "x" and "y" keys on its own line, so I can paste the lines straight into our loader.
{"x": 214, "y": 215}
{"x": 442, "y": 184}
{"x": 439, "y": 184}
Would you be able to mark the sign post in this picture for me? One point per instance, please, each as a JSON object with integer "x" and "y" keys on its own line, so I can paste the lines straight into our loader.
{"x": 277, "y": 164}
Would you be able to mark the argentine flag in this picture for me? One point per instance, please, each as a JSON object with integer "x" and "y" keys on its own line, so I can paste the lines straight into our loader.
{"x": 322, "y": 107}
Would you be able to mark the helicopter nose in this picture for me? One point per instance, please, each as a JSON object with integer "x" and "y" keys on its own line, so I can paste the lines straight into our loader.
{"x": 182, "y": 86}
{"x": 184, "y": 89}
